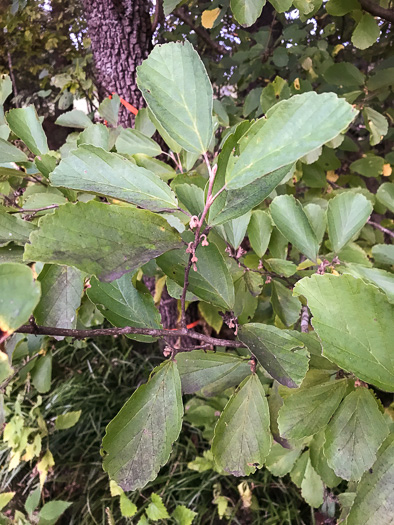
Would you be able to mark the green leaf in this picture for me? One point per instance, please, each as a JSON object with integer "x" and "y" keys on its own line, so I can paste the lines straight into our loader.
{"x": 5, "y": 498}
{"x": 95, "y": 170}
{"x": 191, "y": 196}
{"x": 281, "y": 5}
{"x": 281, "y": 460}
{"x": 170, "y": 5}
{"x": 163, "y": 170}
{"x": 310, "y": 408}
{"x": 41, "y": 375}
{"x": 280, "y": 267}
{"x": 374, "y": 502}
{"x": 123, "y": 305}
{"x": 211, "y": 315}
{"x": 317, "y": 219}
{"x": 127, "y": 507}
{"x": 139, "y": 439}
{"x": 32, "y": 500}
{"x": 46, "y": 164}
{"x": 5, "y": 89}
{"x": 259, "y": 231}
{"x": 344, "y": 74}
{"x": 25, "y": 124}
{"x": 96, "y": 134}
{"x": 5, "y": 368}
{"x": 68, "y": 420}
{"x": 312, "y": 488}
{"x": 291, "y": 221}
{"x": 346, "y": 215}
{"x": 382, "y": 279}
{"x": 283, "y": 356}
{"x": 354, "y": 323}
{"x": 107, "y": 241}
{"x": 210, "y": 373}
{"x": 341, "y": 7}
{"x": 156, "y": 509}
{"x": 176, "y": 87}
{"x": 211, "y": 282}
{"x": 242, "y": 437}
{"x": 368, "y": 166}
{"x": 183, "y": 516}
{"x": 235, "y": 229}
{"x": 51, "y": 512}
{"x": 376, "y": 124}
{"x": 319, "y": 461}
{"x": 61, "y": 293}
{"x": 366, "y": 33}
{"x": 385, "y": 195}
{"x": 14, "y": 229}
{"x": 383, "y": 253}
{"x": 286, "y": 306}
{"x": 74, "y": 119}
{"x": 19, "y": 294}
{"x": 240, "y": 201}
{"x": 131, "y": 141}
{"x": 109, "y": 109}
{"x": 143, "y": 123}
{"x": 310, "y": 121}
{"x": 354, "y": 435}
{"x": 10, "y": 153}
{"x": 246, "y": 12}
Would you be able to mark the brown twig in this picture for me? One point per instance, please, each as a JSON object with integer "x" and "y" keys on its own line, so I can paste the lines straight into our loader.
{"x": 381, "y": 228}
{"x": 376, "y": 10}
{"x": 24, "y": 210}
{"x": 83, "y": 334}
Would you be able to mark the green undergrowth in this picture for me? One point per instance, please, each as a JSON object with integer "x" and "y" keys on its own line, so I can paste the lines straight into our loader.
{"x": 100, "y": 376}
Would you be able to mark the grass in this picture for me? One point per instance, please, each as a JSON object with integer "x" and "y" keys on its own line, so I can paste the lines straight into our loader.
{"x": 97, "y": 378}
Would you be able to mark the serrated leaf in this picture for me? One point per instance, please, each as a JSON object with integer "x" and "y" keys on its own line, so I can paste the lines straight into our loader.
{"x": 10, "y": 153}
{"x": 109, "y": 109}
{"x": 246, "y": 12}
{"x": 96, "y": 134}
{"x": 19, "y": 294}
{"x": 14, "y": 229}
{"x": 354, "y": 323}
{"x": 95, "y": 170}
{"x": 309, "y": 409}
{"x": 156, "y": 509}
{"x": 259, "y": 231}
{"x": 346, "y": 215}
{"x": 366, "y": 33}
{"x": 123, "y": 305}
{"x": 210, "y": 373}
{"x": 235, "y": 229}
{"x": 317, "y": 219}
{"x": 383, "y": 253}
{"x": 376, "y": 124}
{"x": 312, "y": 488}
{"x": 281, "y": 460}
{"x": 61, "y": 293}
{"x": 354, "y": 435}
{"x": 242, "y": 437}
{"x": 139, "y": 439}
{"x": 283, "y": 356}
{"x": 105, "y": 240}
{"x": 310, "y": 121}
{"x": 183, "y": 516}
{"x": 127, "y": 507}
{"x": 240, "y": 201}
{"x": 74, "y": 119}
{"x": 374, "y": 502}
{"x": 292, "y": 222}
{"x": 211, "y": 282}
{"x": 131, "y": 142}
{"x": 176, "y": 87}
{"x": 319, "y": 461}
{"x": 344, "y": 74}
{"x": 25, "y": 124}
{"x": 382, "y": 279}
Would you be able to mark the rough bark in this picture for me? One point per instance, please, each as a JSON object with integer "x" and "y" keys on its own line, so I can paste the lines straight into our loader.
{"x": 121, "y": 36}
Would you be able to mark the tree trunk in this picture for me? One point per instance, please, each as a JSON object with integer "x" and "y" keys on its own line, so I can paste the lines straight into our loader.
{"x": 121, "y": 36}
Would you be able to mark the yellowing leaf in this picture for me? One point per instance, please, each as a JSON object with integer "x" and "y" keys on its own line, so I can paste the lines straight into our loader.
{"x": 296, "y": 84}
{"x": 331, "y": 176}
{"x": 43, "y": 466}
{"x": 387, "y": 170}
{"x": 209, "y": 16}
